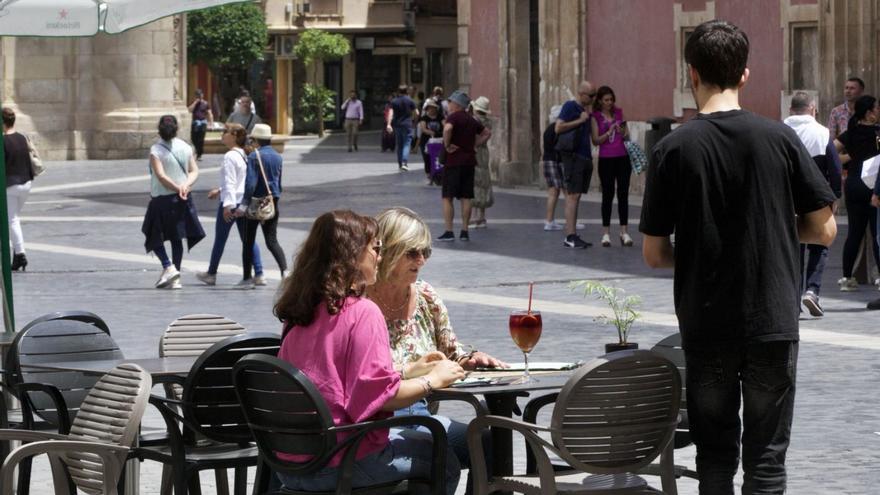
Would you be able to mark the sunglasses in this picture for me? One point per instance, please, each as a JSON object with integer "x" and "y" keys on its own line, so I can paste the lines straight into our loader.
{"x": 414, "y": 254}
{"x": 591, "y": 95}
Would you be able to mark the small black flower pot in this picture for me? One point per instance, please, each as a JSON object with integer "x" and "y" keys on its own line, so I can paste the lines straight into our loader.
{"x": 617, "y": 346}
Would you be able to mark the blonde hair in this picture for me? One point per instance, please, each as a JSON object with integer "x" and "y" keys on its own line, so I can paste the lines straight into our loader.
{"x": 400, "y": 230}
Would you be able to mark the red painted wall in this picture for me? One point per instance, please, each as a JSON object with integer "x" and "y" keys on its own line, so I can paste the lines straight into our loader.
{"x": 631, "y": 48}
{"x": 761, "y": 23}
{"x": 483, "y": 46}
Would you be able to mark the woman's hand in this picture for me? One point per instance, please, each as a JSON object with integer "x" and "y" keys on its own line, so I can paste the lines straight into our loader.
{"x": 214, "y": 193}
{"x": 423, "y": 365}
{"x": 183, "y": 191}
{"x": 875, "y": 200}
{"x": 445, "y": 373}
{"x": 228, "y": 214}
{"x": 482, "y": 360}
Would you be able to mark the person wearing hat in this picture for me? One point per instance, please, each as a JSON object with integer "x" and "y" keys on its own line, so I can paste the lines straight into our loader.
{"x": 431, "y": 125}
{"x": 483, "y": 197}
{"x": 256, "y": 187}
{"x": 461, "y": 134}
{"x": 400, "y": 120}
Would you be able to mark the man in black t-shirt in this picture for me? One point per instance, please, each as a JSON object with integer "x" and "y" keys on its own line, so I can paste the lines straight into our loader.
{"x": 739, "y": 192}
{"x": 400, "y": 120}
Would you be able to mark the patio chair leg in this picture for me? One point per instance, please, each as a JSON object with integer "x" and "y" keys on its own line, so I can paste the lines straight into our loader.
{"x": 222, "y": 481}
{"x": 195, "y": 484}
{"x": 167, "y": 484}
{"x": 24, "y": 477}
{"x": 180, "y": 482}
{"x": 241, "y": 481}
{"x": 263, "y": 478}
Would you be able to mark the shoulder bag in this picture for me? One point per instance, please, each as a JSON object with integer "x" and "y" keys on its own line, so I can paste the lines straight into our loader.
{"x": 637, "y": 157}
{"x": 568, "y": 141}
{"x": 36, "y": 162}
{"x": 262, "y": 208}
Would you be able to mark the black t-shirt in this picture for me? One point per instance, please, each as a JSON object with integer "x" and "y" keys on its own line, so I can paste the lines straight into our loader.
{"x": 433, "y": 124}
{"x": 861, "y": 142}
{"x": 550, "y": 154}
{"x": 403, "y": 108}
{"x": 729, "y": 185}
{"x": 18, "y": 159}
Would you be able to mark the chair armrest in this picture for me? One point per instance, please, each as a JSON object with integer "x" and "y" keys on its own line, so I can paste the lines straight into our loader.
{"x": 169, "y": 379}
{"x": 112, "y": 457}
{"x": 438, "y": 448}
{"x": 440, "y": 395}
{"x": 534, "y": 443}
{"x": 27, "y": 410}
{"x": 530, "y": 415}
{"x": 30, "y": 436}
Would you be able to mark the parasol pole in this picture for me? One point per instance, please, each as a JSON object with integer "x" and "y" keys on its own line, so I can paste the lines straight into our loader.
{"x": 5, "y": 257}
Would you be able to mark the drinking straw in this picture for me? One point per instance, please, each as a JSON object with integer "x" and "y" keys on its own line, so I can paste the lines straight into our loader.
{"x": 531, "y": 287}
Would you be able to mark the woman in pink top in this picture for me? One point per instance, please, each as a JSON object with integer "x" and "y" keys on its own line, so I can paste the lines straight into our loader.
{"x": 339, "y": 340}
{"x": 609, "y": 131}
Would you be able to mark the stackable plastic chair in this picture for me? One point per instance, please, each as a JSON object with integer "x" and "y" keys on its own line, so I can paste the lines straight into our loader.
{"x": 613, "y": 417}
{"x": 95, "y": 450}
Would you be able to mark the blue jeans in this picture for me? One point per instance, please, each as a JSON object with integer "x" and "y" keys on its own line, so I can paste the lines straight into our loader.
{"x": 408, "y": 453}
{"x": 762, "y": 376}
{"x": 403, "y": 139}
{"x": 221, "y": 233}
{"x": 814, "y": 256}
{"x": 176, "y": 254}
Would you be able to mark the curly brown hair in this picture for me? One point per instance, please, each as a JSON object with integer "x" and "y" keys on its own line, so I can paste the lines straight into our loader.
{"x": 326, "y": 267}
{"x": 238, "y": 132}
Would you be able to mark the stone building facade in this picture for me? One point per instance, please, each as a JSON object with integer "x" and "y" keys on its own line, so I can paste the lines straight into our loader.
{"x": 96, "y": 97}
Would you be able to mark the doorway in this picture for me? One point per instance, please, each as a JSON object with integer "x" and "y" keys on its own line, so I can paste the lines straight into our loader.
{"x": 333, "y": 82}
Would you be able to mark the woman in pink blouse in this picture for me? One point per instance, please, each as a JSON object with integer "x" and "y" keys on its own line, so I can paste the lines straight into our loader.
{"x": 608, "y": 133}
{"x": 338, "y": 339}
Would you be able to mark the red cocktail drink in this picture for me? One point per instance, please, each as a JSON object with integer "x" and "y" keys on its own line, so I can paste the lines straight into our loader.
{"x": 525, "y": 329}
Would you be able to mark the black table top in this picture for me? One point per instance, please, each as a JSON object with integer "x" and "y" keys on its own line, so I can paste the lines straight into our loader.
{"x": 175, "y": 365}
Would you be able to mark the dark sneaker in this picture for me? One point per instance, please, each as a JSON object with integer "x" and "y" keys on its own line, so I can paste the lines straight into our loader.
{"x": 811, "y": 302}
{"x": 463, "y": 236}
{"x": 447, "y": 236}
{"x": 574, "y": 241}
{"x": 874, "y": 305}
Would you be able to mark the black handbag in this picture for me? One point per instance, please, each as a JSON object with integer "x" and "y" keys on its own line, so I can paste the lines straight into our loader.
{"x": 568, "y": 141}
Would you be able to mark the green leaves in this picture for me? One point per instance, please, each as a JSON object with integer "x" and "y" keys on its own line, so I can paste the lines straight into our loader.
{"x": 315, "y": 97}
{"x": 623, "y": 307}
{"x": 227, "y": 37}
{"x": 314, "y": 45}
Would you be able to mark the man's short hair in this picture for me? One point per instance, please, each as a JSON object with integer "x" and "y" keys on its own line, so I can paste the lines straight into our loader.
{"x": 718, "y": 51}
{"x": 801, "y": 102}
{"x": 857, "y": 80}
{"x": 402, "y": 89}
{"x": 8, "y": 117}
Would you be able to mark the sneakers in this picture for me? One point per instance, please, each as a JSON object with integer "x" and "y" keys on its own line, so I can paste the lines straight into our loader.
{"x": 207, "y": 278}
{"x": 548, "y": 226}
{"x": 447, "y": 236}
{"x": 259, "y": 280}
{"x": 606, "y": 240}
{"x": 167, "y": 278}
{"x": 479, "y": 224}
{"x": 625, "y": 239}
{"x": 811, "y": 302}
{"x": 404, "y": 168}
{"x": 176, "y": 284}
{"x": 848, "y": 284}
{"x": 245, "y": 284}
{"x": 463, "y": 236}
{"x": 575, "y": 241}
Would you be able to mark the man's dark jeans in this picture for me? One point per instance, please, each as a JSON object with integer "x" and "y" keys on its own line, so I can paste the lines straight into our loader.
{"x": 815, "y": 256}
{"x": 763, "y": 375}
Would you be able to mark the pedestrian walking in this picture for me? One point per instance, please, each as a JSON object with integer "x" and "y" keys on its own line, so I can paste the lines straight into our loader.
{"x": 233, "y": 172}
{"x": 431, "y": 125}
{"x": 840, "y": 115}
{"x": 552, "y": 167}
{"x": 740, "y": 192}
{"x": 400, "y": 120}
{"x": 461, "y": 135}
{"x": 483, "y": 197}
{"x": 387, "y": 133}
{"x": 263, "y": 179}
{"x": 856, "y": 144}
{"x": 202, "y": 118}
{"x": 354, "y": 118}
{"x": 171, "y": 215}
{"x": 573, "y": 144}
{"x": 608, "y": 130}
{"x": 19, "y": 178}
{"x": 816, "y": 138}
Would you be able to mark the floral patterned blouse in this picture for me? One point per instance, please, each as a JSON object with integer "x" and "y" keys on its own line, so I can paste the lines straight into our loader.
{"x": 838, "y": 120}
{"x": 428, "y": 329}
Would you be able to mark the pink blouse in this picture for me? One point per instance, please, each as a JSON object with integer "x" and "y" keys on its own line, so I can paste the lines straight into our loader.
{"x": 614, "y": 146}
{"x": 348, "y": 358}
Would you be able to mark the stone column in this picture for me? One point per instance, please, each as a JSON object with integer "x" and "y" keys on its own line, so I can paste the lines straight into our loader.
{"x": 100, "y": 97}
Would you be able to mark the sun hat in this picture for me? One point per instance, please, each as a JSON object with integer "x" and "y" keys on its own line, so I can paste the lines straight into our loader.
{"x": 261, "y": 131}
{"x": 431, "y": 102}
{"x": 481, "y": 104}
{"x": 460, "y": 98}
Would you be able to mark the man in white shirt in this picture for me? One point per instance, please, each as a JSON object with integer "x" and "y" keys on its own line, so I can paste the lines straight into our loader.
{"x": 354, "y": 117}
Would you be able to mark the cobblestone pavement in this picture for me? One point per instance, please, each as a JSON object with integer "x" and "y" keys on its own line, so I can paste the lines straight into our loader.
{"x": 82, "y": 229}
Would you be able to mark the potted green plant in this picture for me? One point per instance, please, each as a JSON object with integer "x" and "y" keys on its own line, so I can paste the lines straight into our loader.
{"x": 623, "y": 307}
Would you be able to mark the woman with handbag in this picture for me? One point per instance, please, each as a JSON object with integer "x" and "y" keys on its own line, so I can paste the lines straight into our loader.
{"x": 18, "y": 150}
{"x": 608, "y": 133}
{"x": 231, "y": 193}
{"x": 262, "y": 190}
{"x": 171, "y": 214}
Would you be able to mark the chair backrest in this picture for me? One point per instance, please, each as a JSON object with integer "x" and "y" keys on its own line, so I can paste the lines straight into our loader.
{"x": 111, "y": 413}
{"x": 617, "y": 413}
{"x": 285, "y": 412}
{"x": 209, "y": 402}
{"x": 56, "y": 341}
{"x": 191, "y": 335}
{"x": 671, "y": 349}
